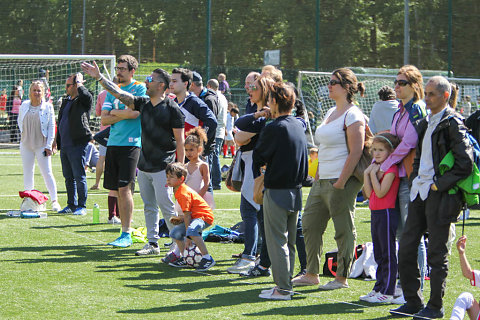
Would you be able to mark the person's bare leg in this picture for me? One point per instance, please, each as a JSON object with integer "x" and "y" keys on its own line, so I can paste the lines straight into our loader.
{"x": 125, "y": 207}
{"x": 474, "y": 311}
{"x": 98, "y": 172}
{"x": 200, "y": 244}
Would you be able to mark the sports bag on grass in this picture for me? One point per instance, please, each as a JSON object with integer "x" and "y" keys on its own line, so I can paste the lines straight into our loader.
{"x": 366, "y": 158}
{"x": 234, "y": 178}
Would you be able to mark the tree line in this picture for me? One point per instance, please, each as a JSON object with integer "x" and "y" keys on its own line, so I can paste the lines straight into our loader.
{"x": 352, "y": 32}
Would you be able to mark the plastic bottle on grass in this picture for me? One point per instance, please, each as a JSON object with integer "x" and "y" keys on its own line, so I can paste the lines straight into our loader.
{"x": 96, "y": 213}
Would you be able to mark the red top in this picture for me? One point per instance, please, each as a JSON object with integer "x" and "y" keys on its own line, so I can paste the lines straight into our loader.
{"x": 388, "y": 201}
{"x": 3, "y": 101}
{"x": 191, "y": 201}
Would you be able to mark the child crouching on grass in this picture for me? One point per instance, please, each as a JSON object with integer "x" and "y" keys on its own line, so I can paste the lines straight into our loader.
{"x": 465, "y": 301}
{"x": 197, "y": 215}
{"x": 382, "y": 189}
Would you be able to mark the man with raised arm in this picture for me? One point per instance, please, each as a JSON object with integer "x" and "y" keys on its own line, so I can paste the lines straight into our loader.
{"x": 162, "y": 125}
{"x": 123, "y": 148}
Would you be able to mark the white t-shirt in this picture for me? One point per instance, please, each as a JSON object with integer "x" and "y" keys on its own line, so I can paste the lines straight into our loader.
{"x": 332, "y": 148}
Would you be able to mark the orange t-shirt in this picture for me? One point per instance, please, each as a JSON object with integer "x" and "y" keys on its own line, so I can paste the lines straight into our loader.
{"x": 191, "y": 201}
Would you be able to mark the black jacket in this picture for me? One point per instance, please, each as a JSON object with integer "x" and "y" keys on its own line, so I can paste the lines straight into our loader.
{"x": 282, "y": 146}
{"x": 473, "y": 123}
{"x": 450, "y": 134}
{"x": 78, "y": 118}
{"x": 211, "y": 99}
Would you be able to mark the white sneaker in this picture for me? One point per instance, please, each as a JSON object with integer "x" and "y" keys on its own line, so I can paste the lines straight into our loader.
{"x": 148, "y": 249}
{"x": 114, "y": 220}
{"x": 56, "y": 206}
{"x": 241, "y": 265}
{"x": 380, "y": 298}
{"x": 368, "y": 295}
{"x": 399, "y": 300}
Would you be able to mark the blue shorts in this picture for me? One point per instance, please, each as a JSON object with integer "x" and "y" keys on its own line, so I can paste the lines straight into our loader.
{"x": 194, "y": 229}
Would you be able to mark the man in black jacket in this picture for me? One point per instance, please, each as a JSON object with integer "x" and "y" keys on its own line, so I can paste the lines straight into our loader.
{"x": 73, "y": 135}
{"x": 432, "y": 208}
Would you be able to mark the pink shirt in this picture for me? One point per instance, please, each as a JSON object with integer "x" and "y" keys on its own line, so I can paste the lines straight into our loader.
{"x": 388, "y": 201}
{"x": 98, "y": 106}
{"x": 403, "y": 128}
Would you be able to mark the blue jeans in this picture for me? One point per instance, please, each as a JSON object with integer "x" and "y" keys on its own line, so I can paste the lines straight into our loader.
{"x": 249, "y": 217}
{"x": 215, "y": 173}
{"x": 193, "y": 230}
{"x": 73, "y": 167}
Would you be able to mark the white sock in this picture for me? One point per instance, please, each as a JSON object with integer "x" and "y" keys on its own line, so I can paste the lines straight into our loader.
{"x": 463, "y": 303}
{"x": 177, "y": 252}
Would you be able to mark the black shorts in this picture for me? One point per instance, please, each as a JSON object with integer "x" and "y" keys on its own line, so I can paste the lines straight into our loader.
{"x": 120, "y": 166}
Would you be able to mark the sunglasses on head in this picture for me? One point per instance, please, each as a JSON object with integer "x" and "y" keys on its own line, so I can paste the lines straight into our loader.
{"x": 401, "y": 83}
{"x": 150, "y": 79}
{"x": 334, "y": 82}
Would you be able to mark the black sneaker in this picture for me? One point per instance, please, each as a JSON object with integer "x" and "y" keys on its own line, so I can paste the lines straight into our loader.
{"x": 205, "y": 264}
{"x": 179, "y": 263}
{"x": 405, "y": 310}
{"x": 427, "y": 313}
{"x": 301, "y": 273}
{"x": 256, "y": 272}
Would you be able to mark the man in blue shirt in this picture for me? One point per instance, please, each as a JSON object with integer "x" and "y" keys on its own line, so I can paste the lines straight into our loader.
{"x": 123, "y": 148}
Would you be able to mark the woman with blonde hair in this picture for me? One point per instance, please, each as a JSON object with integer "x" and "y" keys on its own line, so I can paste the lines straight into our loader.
{"x": 36, "y": 121}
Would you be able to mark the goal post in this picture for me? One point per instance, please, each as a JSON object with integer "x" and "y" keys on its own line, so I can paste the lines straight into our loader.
{"x": 313, "y": 91}
{"x": 53, "y": 70}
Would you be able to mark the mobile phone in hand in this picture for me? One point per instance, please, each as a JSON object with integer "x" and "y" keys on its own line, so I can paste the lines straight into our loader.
{"x": 44, "y": 153}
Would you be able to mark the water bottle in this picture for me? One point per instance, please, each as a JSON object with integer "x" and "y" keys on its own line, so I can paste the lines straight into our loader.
{"x": 96, "y": 213}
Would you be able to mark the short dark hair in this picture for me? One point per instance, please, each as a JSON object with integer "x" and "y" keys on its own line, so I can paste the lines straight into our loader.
{"x": 130, "y": 60}
{"x": 185, "y": 74}
{"x": 177, "y": 169}
{"x": 164, "y": 76}
{"x": 386, "y": 93}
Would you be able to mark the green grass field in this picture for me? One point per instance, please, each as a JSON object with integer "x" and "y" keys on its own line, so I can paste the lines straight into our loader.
{"x": 61, "y": 268}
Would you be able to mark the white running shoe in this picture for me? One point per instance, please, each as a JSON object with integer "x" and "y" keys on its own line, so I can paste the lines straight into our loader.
{"x": 114, "y": 220}
{"x": 368, "y": 295}
{"x": 241, "y": 265}
{"x": 399, "y": 300}
{"x": 56, "y": 206}
{"x": 148, "y": 249}
{"x": 380, "y": 298}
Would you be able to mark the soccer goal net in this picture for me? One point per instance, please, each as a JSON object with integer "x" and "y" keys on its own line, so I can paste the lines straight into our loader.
{"x": 18, "y": 71}
{"x": 313, "y": 91}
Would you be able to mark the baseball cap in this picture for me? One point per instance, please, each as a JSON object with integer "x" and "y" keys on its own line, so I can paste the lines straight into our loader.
{"x": 196, "y": 76}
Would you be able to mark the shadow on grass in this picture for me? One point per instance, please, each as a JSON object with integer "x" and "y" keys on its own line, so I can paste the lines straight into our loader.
{"x": 308, "y": 310}
{"x": 211, "y": 301}
{"x": 72, "y": 254}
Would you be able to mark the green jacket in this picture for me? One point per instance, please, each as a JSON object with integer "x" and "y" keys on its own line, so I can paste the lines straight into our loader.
{"x": 470, "y": 186}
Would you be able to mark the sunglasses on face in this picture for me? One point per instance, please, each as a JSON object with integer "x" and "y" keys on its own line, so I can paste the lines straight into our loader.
{"x": 150, "y": 79}
{"x": 401, "y": 83}
{"x": 334, "y": 82}
{"x": 252, "y": 87}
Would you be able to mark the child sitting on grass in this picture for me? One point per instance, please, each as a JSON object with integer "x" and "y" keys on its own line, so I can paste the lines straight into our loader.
{"x": 197, "y": 215}
{"x": 465, "y": 301}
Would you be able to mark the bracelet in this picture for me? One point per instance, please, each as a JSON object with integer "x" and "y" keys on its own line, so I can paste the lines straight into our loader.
{"x": 101, "y": 77}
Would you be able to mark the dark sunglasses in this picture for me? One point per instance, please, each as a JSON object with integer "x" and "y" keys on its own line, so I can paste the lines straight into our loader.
{"x": 401, "y": 83}
{"x": 334, "y": 82}
{"x": 150, "y": 79}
